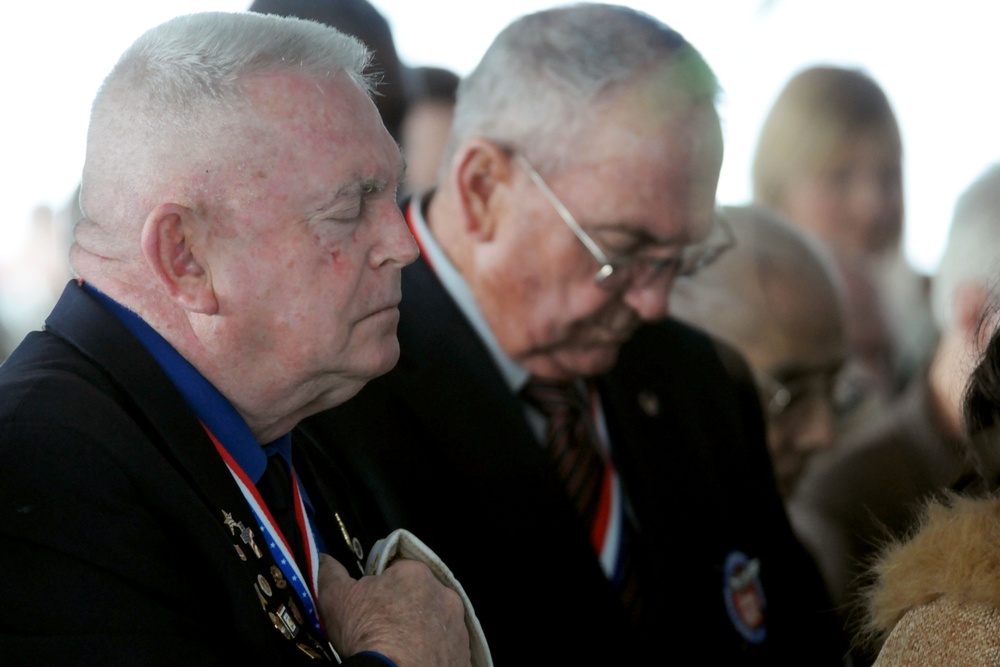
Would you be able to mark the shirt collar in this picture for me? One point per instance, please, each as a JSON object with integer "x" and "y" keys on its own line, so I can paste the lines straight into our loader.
{"x": 455, "y": 284}
{"x": 210, "y": 406}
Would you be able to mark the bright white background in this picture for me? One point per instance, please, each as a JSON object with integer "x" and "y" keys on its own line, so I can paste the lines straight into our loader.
{"x": 937, "y": 62}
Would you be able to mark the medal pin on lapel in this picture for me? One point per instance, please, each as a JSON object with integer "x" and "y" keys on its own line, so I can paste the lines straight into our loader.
{"x": 246, "y": 534}
{"x": 649, "y": 403}
{"x": 353, "y": 543}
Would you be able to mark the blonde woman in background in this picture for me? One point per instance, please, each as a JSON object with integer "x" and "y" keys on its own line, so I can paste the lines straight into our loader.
{"x": 829, "y": 158}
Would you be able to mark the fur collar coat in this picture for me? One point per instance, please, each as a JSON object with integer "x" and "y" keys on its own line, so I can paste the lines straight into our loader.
{"x": 936, "y": 598}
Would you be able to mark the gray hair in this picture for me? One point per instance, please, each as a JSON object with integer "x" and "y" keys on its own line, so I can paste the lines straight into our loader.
{"x": 544, "y": 72}
{"x": 168, "y": 100}
{"x": 973, "y": 250}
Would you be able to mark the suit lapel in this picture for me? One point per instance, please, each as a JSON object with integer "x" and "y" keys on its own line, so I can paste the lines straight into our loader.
{"x": 187, "y": 462}
{"x": 450, "y": 380}
{"x": 156, "y": 405}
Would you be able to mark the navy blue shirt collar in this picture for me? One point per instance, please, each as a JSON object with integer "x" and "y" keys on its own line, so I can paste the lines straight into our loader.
{"x": 211, "y": 407}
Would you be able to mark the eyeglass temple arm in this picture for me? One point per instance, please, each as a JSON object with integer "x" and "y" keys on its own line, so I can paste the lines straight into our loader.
{"x": 564, "y": 213}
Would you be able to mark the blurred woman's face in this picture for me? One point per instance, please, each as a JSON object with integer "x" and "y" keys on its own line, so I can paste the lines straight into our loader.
{"x": 854, "y": 201}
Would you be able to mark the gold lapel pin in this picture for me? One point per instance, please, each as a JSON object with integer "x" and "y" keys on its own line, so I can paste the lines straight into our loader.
{"x": 649, "y": 403}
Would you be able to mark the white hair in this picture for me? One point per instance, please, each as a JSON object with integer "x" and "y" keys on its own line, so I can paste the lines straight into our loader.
{"x": 174, "y": 92}
{"x": 541, "y": 75}
{"x": 972, "y": 254}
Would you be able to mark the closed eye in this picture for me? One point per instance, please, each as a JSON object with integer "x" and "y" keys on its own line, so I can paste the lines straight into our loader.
{"x": 352, "y": 201}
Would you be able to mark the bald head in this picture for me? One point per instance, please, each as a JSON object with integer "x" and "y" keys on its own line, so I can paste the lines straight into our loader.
{"x": 773, "y": 297}
{"x": 776, "y": 298}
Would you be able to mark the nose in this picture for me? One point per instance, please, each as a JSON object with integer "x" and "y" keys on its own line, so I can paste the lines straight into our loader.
{"x": 817, "y": 429}
{"x": 877, "y": 212}
{"x": 395, "y": 244}
{"x": 649, "y": 300}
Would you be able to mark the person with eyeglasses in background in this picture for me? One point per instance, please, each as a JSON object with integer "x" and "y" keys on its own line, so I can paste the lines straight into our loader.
{"x": 777, "y": 300}
{"x": 594, "y": 472}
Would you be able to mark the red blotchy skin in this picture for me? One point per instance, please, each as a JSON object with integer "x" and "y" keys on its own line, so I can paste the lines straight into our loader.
{"x": 640, "y": 174}
{"x": 306, "y": 258}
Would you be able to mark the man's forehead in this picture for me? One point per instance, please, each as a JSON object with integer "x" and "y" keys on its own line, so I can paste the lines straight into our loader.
{"x": 321, "y": 142}
{"x": 655, "y": 152}
{"x": 287, "y": 95}
{"x": 661, "y": 199}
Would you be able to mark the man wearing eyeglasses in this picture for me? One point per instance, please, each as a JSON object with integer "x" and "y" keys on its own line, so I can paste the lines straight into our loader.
{"x": 777, "y": 301}
{"x": 591, "y": 471}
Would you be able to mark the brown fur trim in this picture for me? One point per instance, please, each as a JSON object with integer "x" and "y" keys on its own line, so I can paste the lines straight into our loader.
{"x": 954, "y": 551}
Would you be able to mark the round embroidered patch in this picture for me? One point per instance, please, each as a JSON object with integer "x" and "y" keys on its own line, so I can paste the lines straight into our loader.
{"x": 744, "y": 596}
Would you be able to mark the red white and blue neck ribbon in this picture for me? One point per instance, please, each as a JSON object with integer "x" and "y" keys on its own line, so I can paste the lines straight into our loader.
{"x": 606, "y": 532}
{"x": 276, "y": 541}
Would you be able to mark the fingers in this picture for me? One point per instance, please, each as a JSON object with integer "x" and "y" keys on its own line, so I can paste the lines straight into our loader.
{"x": 405, "y": 613}
{"x": 331, "y": 584}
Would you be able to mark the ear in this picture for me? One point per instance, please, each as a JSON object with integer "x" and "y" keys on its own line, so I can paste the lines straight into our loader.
{"x": 969, "y": 302}
{"x": 170, "y": 248}
{"x": 482, "y": 175}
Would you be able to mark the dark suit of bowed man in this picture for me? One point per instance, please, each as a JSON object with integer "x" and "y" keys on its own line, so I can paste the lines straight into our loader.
{"x": 447, "y": 447}
{"x": 579, "y": 182}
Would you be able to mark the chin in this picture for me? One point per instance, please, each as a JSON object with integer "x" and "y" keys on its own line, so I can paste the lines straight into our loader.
{"x": 575, "y": 364}
{"x": 386, "y": 361}
{"x": 380, "y": 357}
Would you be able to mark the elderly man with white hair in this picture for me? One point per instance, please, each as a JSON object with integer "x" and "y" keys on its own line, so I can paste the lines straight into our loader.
{"x": 594, "y": 474}
{"x": 239, "y": 269}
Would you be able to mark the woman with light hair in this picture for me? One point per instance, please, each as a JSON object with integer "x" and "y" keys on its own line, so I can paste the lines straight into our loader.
{"x": 829, "y": 158}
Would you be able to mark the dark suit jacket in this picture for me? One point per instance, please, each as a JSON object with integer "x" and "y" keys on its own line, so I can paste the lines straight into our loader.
{"x": 447, "y": 449}
{"x": 112, "y": 546}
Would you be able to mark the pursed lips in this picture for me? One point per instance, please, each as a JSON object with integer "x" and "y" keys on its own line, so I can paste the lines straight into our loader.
{"x": 616, "y": 335}
{"x": 392, "y": 306}
{"x": 610, "y": 338}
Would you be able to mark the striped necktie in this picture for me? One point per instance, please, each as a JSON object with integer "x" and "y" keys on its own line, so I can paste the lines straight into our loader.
{"x": 573, "y": 446}
{"x": 571, "y": 443}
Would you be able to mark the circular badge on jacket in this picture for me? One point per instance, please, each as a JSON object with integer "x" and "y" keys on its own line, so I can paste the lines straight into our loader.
{"x": 744, "y": 596}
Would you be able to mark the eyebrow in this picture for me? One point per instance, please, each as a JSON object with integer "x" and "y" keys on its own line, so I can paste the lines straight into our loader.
{"x": 641, "y": 236}
{"x": 364, "y": 185}
{"x": 795, "y": 371}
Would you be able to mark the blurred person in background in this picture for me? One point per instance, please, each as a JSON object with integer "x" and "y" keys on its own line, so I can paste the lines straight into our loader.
{"x": 776, "y": 298}
{"x": 30, "y": 282}
{"x": 829, "y": 157}
{"x": 872, "y": 486}
{"x": 427, "y": 124}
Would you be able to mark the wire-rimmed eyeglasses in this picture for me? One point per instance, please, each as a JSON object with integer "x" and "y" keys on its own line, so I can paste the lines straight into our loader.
{"x": 837, "y": 386}
{"x": 619, "y": 271}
